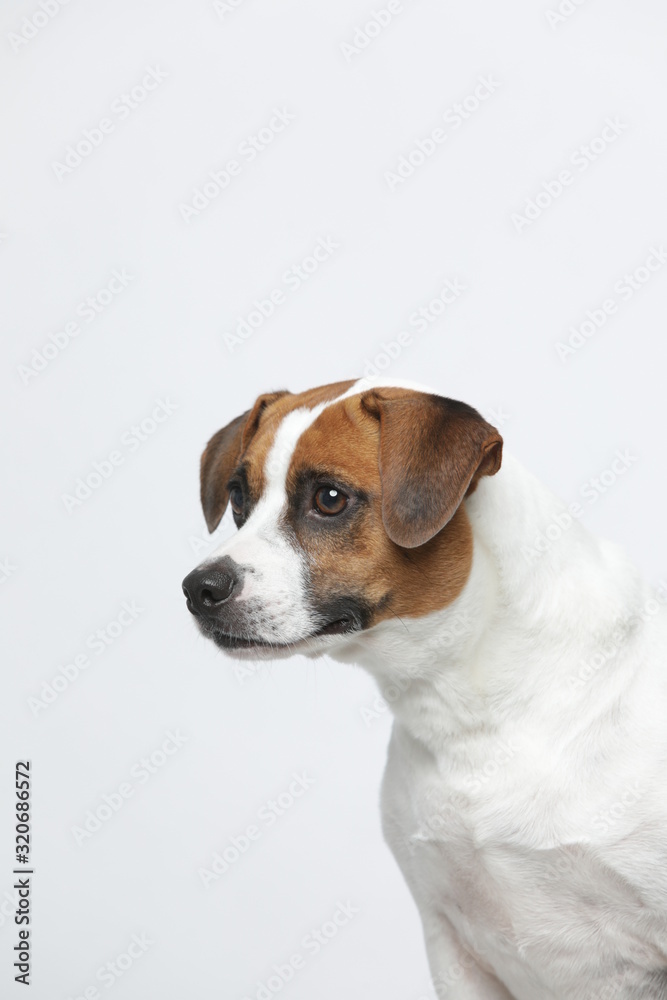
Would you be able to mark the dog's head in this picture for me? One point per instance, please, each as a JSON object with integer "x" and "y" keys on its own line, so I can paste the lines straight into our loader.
{"x": 348, "y": 500}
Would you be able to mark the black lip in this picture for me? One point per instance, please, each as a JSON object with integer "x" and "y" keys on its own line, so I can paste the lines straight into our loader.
{"x": 341, "y": 626}
{"x": 343, "y": 614}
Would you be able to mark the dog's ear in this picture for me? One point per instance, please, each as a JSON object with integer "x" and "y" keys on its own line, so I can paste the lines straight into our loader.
{"x": 222, "y": 454}
{"x": 432, "y": 452}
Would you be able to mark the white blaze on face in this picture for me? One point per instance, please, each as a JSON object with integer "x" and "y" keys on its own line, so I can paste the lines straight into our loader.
{"x": 274, "y": 596}
{"x": 274, "y": 580}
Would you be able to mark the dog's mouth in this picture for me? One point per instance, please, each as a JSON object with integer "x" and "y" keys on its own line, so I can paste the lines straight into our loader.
{"x": 227, "y": 640}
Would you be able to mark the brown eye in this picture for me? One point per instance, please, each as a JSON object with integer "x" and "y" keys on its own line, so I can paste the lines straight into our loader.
{"x": 329, "y": 500}
{"x": 236, "y": 499}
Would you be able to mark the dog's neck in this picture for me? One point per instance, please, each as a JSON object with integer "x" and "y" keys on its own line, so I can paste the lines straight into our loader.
{"x": 542, "y": 591}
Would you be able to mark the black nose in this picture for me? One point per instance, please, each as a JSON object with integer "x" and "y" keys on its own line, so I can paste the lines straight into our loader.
{"x": 206, "y": 589}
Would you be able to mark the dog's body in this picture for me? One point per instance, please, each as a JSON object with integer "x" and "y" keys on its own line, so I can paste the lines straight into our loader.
{"x": 525, "y": 796}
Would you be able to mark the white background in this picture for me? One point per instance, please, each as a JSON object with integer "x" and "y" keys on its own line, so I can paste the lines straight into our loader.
{"x": 163, "y": 337}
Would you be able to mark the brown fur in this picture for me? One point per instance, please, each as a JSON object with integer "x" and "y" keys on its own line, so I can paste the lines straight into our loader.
{"x": 408, "y": 549}
{"x": 228, "y": 447}
{"x": 432, "y": 451}
{"x": 344, "y": 441}
{"x": 256, "y": 445}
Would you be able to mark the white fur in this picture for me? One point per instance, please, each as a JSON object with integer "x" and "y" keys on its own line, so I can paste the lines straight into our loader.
{"x": 274, "y": 578}
{"x": 274, "y": 582}
{"x": 526, "y": 806}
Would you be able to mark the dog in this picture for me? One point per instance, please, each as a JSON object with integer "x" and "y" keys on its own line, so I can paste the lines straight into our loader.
{"x": 525, "y": 794}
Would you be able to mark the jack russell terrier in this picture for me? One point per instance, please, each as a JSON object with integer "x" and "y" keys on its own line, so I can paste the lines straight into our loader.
{"x": 525, "y": 795}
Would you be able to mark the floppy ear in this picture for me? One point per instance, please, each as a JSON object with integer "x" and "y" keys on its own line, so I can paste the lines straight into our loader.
{"x": 221, "y": 457}
{"x": 432, "y": 452}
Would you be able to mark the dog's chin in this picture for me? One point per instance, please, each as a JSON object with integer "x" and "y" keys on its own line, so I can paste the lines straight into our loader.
{"x": 248, "y": 647}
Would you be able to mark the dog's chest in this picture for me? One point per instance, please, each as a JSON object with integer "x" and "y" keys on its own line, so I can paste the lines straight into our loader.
{"x": 451, "y": 856}
{"x": 525, "y": 905}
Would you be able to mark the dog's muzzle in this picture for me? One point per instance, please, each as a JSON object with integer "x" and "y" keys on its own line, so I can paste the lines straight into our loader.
{"x": 212, "y": 593}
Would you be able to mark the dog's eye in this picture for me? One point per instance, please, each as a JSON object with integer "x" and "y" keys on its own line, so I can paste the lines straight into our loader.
{"x": 329, "y": 500}
{"x": 236, "y": 499}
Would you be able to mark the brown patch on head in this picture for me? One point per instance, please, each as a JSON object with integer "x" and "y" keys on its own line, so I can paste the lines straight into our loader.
{"x": 406, "y": 459}
{"x": 240, "y": 442}
{"x": 221, "y": 455}
{"x": 432, "y": 453}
